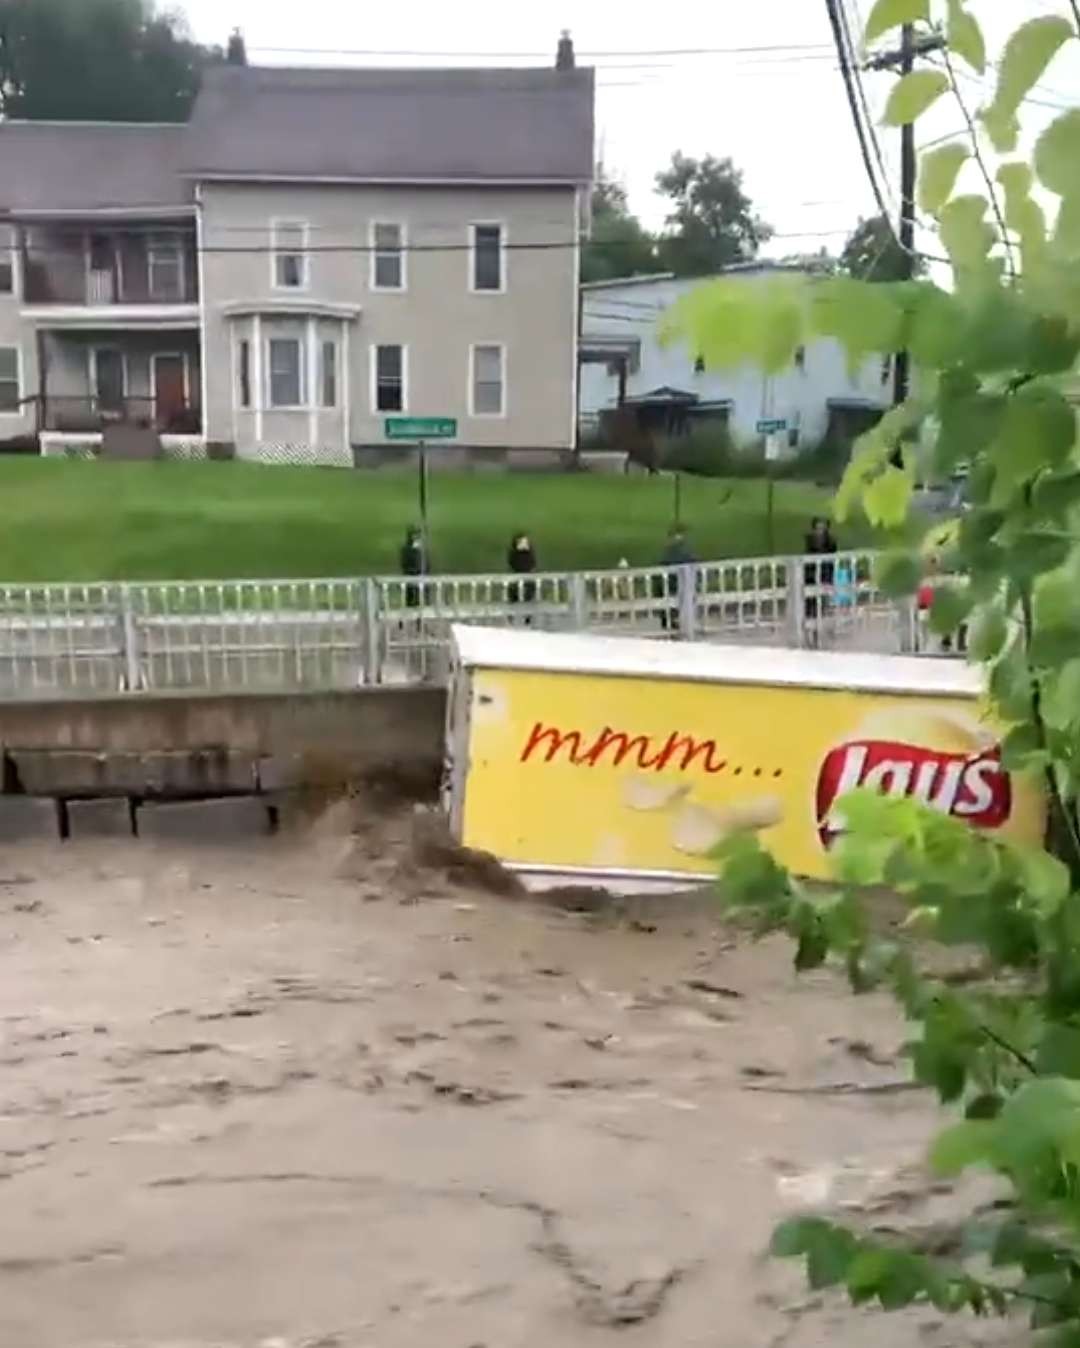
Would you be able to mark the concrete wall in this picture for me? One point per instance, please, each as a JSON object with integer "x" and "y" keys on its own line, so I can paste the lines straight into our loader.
{"x": 436, "y": 316}
{"x": 632, "y": 309}
{"x": 381, "y": 735}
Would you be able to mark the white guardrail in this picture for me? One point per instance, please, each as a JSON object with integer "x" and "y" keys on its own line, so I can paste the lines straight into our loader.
{"x": 285, "y": 635}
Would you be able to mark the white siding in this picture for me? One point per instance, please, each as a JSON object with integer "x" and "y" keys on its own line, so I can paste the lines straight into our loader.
{"x": 634, "y": 310}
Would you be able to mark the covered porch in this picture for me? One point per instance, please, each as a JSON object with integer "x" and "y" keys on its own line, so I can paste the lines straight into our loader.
{"x": 93, "y": 378}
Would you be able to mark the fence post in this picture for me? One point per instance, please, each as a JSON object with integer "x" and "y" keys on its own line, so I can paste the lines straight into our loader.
{"x": 796, "y": 602}
{"x": 371, "y": 604}
{"x": 689, "y": 579}
{"x": 910, "y": 634}
{"x": 579, "y": 615}
{"x": 129, "y": 641}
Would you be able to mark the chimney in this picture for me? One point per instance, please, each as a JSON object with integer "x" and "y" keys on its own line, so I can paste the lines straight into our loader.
{"x": 564, "y": 56}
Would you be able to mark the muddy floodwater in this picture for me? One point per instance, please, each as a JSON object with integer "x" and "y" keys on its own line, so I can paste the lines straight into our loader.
{"x": 314, "y": 1094}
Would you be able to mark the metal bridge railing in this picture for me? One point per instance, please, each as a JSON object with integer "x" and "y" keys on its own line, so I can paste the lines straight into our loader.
{"x": 284, "y": 635}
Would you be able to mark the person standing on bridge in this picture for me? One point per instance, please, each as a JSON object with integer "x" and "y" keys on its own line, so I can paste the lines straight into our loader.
{"x": 414, "y": 562}
{"x": 521, "y": 560}
{"x": 677, "y": 557}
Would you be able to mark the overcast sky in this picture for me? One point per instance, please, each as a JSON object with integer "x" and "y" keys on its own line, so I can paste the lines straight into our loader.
{"x": 779, "y": 113}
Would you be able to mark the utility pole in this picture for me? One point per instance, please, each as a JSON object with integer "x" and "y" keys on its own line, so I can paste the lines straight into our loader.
{"x": 901, "y": 372}
{"x": 904, "y": 61}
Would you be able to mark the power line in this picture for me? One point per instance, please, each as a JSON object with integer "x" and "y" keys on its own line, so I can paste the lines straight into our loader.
{"x": 846, "y": 70}
{"x": 314, "y": 249}
{"x": 542, "y": 55}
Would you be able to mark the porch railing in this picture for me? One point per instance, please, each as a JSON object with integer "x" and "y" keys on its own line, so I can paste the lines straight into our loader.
{"x": 266, "y": 635}
{"x": 88, "y": 413}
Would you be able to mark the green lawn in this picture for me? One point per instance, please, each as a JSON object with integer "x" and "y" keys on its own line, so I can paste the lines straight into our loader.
{"x": 70, "y": 520}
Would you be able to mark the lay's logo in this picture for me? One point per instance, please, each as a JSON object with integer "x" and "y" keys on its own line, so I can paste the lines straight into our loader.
{"x": 970, "y": 786}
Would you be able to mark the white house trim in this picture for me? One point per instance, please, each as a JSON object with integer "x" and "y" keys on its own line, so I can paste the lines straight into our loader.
{"x": 277, "y": 224}
{"x": 504, "y": 256}
{"x": 91, "y": 357}
{"x": 311, "y": 337}
{"x": 373, "y": 369}
{"x": 185, "y": 360}
{"x": 346, "y": 179}
{"x": 200, "y": 272}
{"x": 257, "y": 376}
{"x": 20, "y": 379}
{"x": 345, "y": 394}
{"x": 281, "y": 307}
{"x": 403, "y": 245}
{"x": 488, "y": 416}
{"x": 155, "y": 317}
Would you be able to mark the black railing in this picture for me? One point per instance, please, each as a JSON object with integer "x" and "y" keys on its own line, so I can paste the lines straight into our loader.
{"x": 75, "y": 414}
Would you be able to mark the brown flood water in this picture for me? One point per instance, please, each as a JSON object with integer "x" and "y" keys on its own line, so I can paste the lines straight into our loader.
{"x": 310, "y": 1095}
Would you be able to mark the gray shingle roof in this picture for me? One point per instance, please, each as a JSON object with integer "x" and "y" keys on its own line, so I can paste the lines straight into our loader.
{"x": 394, "y": 124}
{"x": 91, "y": 165}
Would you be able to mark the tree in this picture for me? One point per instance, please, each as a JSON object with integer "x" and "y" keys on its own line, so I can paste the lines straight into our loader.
{"x": 712, "y": 223}
{"x": 96, "y": 60}
{"x": 619, "y": 245}
{"x": 998, "y": 353}
{"x": 873, "y": 253}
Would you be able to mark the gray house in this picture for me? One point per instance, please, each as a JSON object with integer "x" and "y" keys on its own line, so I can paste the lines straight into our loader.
{"x": 314, "y": 251}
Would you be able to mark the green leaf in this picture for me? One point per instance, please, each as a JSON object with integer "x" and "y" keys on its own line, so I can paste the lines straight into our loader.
{"x": 1023, "y": 214}
{"x": 938, "y": 171}
{"x": 1047, "y": 881}
{"x": 865, "y": 317}
{"x": 950, "y": 606}
{"x": 1052, "y": 345}
{"x": 1057, "y": 154}
{"x": 898, "y": 574}
{"x": 1018, "y": 746}
{"x": 889, "y": 14}
{"x": 935, "y": 334}
{"x": 1032, "y": 554}
{"x": 796, "y": 1237}
{"x": 969, "y": 421}
{"x": 1067, "y": 229}
{"x": 965, "y": 233}
{"x": 965, "y": 36}
{"x": 1028, "y": 52}
{"x": 912, "y": 95}
{"x": 1038, "y": 430}
{"x": 868, "y": 1272}
{"x": 830, "y": 1257}
{"x": 1010, "y": 682}
{"x": 986, "y": 1106}
{"x": 963, "y": 1144}
{"x": 987, "y": 632}
{"x": 887, "y": 498}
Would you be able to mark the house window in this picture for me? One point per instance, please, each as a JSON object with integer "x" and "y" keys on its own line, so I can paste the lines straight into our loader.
{"x": 487, "y": 257}
{"x": 886, "y": 369}
{"x": 328, "y": 375}
{"x": 165, "y": 267}
{"x": 243, "y": 372}
{"x": 387, "y": 257}
{"x": 487, "y": 381}
{"x": 389, "y": 378}
{"x": 9, "y": 378}
{"x": 286, "y": 365}
{"x": 290, "y": 255}
{"x": 800, "y": 358}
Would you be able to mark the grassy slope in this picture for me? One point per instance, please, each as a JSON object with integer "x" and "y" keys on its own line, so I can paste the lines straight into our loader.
{"x": 63, "y": 520}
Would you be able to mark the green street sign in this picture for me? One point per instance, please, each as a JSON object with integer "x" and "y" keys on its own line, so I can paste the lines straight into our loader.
{"x": 420, "y": 428}
{"x": 771, "y": 425}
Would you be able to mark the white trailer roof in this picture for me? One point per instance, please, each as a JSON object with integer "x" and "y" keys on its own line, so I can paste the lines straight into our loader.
{"x": 700, "y": 662}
